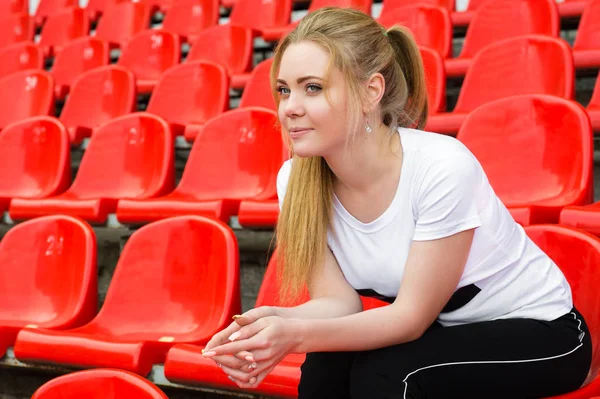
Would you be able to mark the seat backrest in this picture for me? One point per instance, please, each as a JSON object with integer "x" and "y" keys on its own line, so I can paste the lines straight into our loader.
{"x": 64, "y": 26}
{"x": 257, "y": 92}
{"x": 19, "y": 57}
{"x": 174, "y": 276}
{"x": 149, "y": 53}
{"x": 261, "y": 14}
{"x": 474, "y": 5}
{"x": 15, "y": 28}
{"x": 249, "y": 136}
{"x": 128, "y": 157}
{"x": 524, "y": 65}
{"x": 595, "y": 100}
{"x": 48, "y": 273}
{"x": 391, "y": 4}
{"x": 235, "y": 46}
{"x": 192, "y": 92}
{"x": 35, "y": 160}
{"x": 362, "y": 5}
{"x": 546, "y": 136}
{"x": 588, "y": 32}
{"x": 25, "y": 94}
{"x": 188, "y": 18}
{"x": 99, "y": 95}
{"x": 435, "y": 77}
{"x": 8, "y": 7}
{"x": 77, "y": 57}
{"x": 48, "y": 7}
{"x": 499, "y": 20}
{"x": 122, "y": 20}
{"x": 577, "y": 253}
{"x": 430, "y": 25}
{"x": 99, "y": 384}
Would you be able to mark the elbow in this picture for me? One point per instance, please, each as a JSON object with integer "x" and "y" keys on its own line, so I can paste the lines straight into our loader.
{"x": 413, "y": 325}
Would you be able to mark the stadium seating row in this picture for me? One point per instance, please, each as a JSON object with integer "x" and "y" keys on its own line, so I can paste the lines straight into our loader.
{"x": 185, "y": 271}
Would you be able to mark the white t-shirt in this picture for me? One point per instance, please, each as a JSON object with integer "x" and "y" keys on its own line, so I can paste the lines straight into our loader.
{"x": 443, "y": 190}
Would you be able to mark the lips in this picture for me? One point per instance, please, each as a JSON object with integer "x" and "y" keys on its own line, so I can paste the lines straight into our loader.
{"x": 299, "y": 132}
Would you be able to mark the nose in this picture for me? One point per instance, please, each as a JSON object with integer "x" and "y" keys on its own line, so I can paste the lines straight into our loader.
{"x": 293, "y": 106}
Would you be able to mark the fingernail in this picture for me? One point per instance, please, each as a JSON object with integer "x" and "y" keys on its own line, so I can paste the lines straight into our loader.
{"x": 236, "y": 316}
{"x": 231, "y": 378}
{"x": 234, "y": 336}
{"x": 254, "y": 366}
{"x": 249, "y": 358}
{"x": 203, "y": 351}
{"x": 252, "y": 380}
{"x": 209, "y": 353}
{"x": 219, "y": 365}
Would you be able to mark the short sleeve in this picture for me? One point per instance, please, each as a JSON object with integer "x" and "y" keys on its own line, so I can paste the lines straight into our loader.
{"x": 282, "y": 180}
{"x": 447, "y": 197}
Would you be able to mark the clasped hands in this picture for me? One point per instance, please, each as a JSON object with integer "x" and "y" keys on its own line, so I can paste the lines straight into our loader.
{"x": 252, "y": 345}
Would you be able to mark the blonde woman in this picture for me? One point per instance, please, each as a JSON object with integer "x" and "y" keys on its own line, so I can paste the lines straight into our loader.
{"x": 372, "y": 206}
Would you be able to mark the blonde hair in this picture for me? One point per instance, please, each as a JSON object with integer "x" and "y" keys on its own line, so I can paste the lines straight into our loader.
{"x": 358, "y": 48}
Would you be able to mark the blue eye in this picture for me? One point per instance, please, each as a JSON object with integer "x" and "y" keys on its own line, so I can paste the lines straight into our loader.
{"x": 283, "y": 90}
{"x": 313, "y": 88}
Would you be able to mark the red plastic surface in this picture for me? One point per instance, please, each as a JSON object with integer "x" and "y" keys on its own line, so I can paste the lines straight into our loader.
{"x": 593, "y": 107}
{"x": 148, "y": 55}
{"x": 257, "y": 214}
{"x": 546, "y": 136}
{"x": 532, "y": 64}
{"x": 578, "y": 256}
{"x": 435, "y": 76}
{"x": 35, "y": 160}
{"x": 499, "y": 20}
{"x": 189, "y": 94}
{"x": 15, "y": 28}
{"x": 177, "y": 281}
{"x": 49, "y": 7}
{"x": 95, "y": 8}
{"x": 463, "y": 18}
{"x": 121, "y": 21}
{"x": 571, "y": 8}
{"x": 163, "y": 6}
{"x": 98, "y": 96}
{"x": 99, "y": 384}
{"x": 187, "y": 18}
{"x": 25, "y": 94}
{"x": 260, "y": 15}
{"x": 430, "y": 25}
{"x": 448, "y": 4}
{"x": 77, "y": 57}
{"x": 234, "y": 44}
{"x": 237, "y": 156}
{"x": 586, "y": 49}
{"x": 128, "y": 157}
{"x": 63, "y": 27}
{"x": 8, "y": 7}
{"x": 583, "y": 217}
{"x": 258, "y": 89}
{"x": 48, "y": 276}
{"x": 20, "y": 57}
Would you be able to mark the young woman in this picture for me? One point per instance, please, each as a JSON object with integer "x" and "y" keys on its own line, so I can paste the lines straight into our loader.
{"x": 371, "y": 206}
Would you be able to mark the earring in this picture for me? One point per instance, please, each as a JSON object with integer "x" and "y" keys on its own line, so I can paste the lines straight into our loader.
{"x": 368, "y": 128}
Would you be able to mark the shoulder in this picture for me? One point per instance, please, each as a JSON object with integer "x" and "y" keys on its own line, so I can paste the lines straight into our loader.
{"x": 284, "y": 174}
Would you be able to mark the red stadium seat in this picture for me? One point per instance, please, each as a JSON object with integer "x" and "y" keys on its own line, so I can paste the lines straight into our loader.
{"x": 257, "y": 92}
{"x": 8, "y": 7}
{"x": 490, "y": 26}
{"x": 236, "y": 156}
{"x": 25, "y": 94}
{"x": 189, "y": 94}
{"x": 77, "y": 57}
{"x": 463, "y": 18}
{"x": 571, "y": 8}
{"x": 47, "y": 276}
{"x": 177, "y": 281}
{"x": 98, "y": 96}
{"x": 593, "y": 107}
{"x": 121, "y": 21}
{"x": 391, "y": 4}
{"x": 62, "y": 28}
{"x": 15, "y": 29}
{"x": 259, "y": 15}
{"x": 430, "y": 25}
{"x": 128, "y": 157}
{"x": 20, "y": 57}
{"x": 531, "y": 64}
{"x": 148, "y": 55}
{"x": 49, "y": 7}
{"x": 578, "y": 256}
{"x": 35, "y": 160}
{"x": 187, "y": 18}
{"x": 586, "y": 49}
{"x": 258, "y": 214}
{"x": 546, "y": 136}
{"x": 163, "y": 6}
{"x": 235, "y": 46}
{"x": 435, "y": 76}
{"x": 99, "y": 384}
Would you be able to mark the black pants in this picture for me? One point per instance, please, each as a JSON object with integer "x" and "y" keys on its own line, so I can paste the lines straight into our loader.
{"x": 513, "y": 358}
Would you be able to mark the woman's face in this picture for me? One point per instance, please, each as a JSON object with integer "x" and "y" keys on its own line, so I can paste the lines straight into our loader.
{"x": 315, "y": 126}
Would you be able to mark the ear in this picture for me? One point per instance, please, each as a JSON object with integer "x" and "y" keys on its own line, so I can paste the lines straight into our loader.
{"x": 375, "y": 86}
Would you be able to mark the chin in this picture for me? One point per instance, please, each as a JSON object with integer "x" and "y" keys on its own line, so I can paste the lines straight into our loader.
{"x": 305, "y": 150}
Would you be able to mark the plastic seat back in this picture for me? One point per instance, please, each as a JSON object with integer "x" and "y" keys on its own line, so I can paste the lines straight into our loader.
{"x": 99, "y": 384}
{"x": 546, "y": 136}
{"x": 121, "y": 21}
{"x": 588, "y": 32}
{"x": 48, "y": 273}
{"x": 187, "y": 18}
{"x": 257, "y": 92}
{"x": 192, "y": 92}
{"x": 150, "y": 53}
{"x": 577, "y": 253}
{"x": 35, "y": 159}
{"x": 20, "y": 57}
{"x": 391, "y": 4}
{"x": 128, "y": 157}
{"x": 260, "y": 14}
{"x": 235, "y": 46}
{"x": 63, "y": 27}
{"x": 523, "y": 65}
{"x": 175, "y": 278}
{"x": 8, "y": 7}
{"x": 97, "y": 96}
{"x": 362, "y": 5}
{"x": 435, "y": 77}
{"x": 15, "y": 28}
{"x": 25, "y": 94}
{"x": 498, "y": 20}
{"x": 430, "y": 25}
{"x": 48, "y": 7}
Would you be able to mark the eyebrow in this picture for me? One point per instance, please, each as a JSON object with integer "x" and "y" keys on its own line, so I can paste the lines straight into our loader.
{"x": 300, "y": 80}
